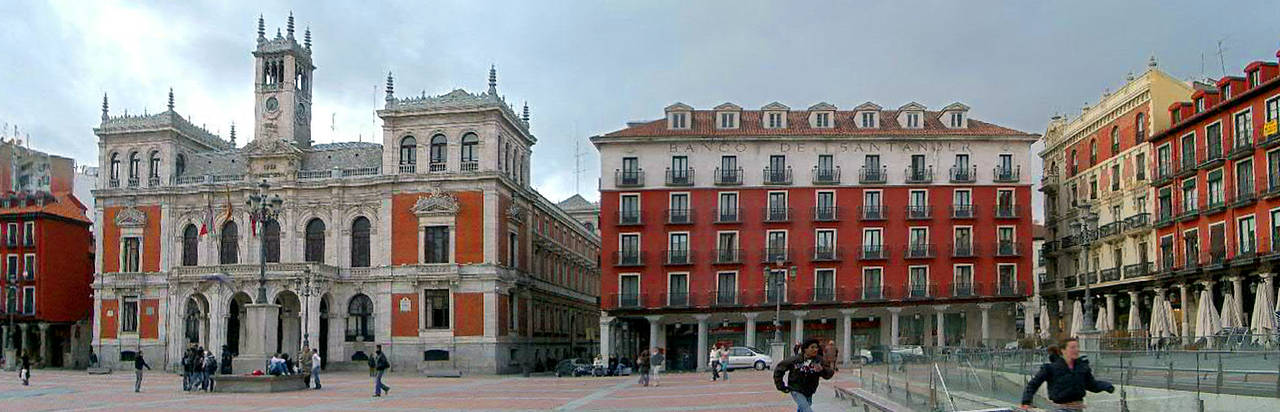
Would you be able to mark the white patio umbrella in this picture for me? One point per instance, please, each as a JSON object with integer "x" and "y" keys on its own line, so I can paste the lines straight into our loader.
{"x": 1103, "y": 323}
{"x": 1044, "y": 322}
{"x": 1170, "y": 326}
{"x": 1231, "y": 318}
{"x": 1207, "y": 320}
{"x": 1262, "y": 323}
{"x": 1077, "y": 319}
{"x": 1135, "y": 319}
{"x": 1156, "y": 322}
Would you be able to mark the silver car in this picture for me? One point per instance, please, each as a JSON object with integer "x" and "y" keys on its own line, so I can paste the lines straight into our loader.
{"x": 741, "y": 357}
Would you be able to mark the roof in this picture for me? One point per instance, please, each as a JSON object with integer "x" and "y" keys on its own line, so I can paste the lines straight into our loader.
{"x": 64, "y": 205}
{"x": 703, "y": 124}
{"x": 577, "y": 202}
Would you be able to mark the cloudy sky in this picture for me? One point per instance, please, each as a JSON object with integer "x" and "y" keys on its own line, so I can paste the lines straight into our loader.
{"x": 587, "y": 67}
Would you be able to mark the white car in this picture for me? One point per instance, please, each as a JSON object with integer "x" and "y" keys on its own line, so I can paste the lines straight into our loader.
{"x": 741, "y": 357}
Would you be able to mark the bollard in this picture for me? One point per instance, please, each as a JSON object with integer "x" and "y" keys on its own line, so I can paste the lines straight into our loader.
{"x": 1168, "y": 384}
{"x": 1197, "y": 375}
{"x": 1200, "y": 405}
{"x": 1219, "y": 373}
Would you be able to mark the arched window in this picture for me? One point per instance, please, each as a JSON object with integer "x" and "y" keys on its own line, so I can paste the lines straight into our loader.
{"x": 469, "y": 143}
{"x": 271, "y": 240}
{"x": 180, "y": 166}
{"x": 192, "y": 321}
{"x": 1093, "y": 152}
{"x": 408, "y": 151}
{"x": 1141, "y": 127}
{"x": 190, "y": 246}
{"x": 360, "y": 319}
{"x": 228, "y": 245}
{"x": 115, "y": 166}
{"x": 154, "y": 165}
{"x": 360, "y": 242}
{"x": 315, "y": 241}
{"x": 439, "y": 145}
{"x": 1115, "y": 140}
{"x": 134, "y": 162}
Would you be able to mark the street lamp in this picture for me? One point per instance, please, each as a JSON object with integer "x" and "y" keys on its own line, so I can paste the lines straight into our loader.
{"x": 1086, "y": 229}
{"x": 779, "y": 283}
{"x": 263, "y": 210}
{"x": 303, "y": 285}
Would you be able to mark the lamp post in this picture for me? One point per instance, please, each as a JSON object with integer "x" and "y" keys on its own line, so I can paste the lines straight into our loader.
{"x": 12, "y": 338}
{"x": 303, "y": 285}
{"x": 778, "y": 284}
{"x": 263, "y": 210}
{"x": 1086, "y": 229}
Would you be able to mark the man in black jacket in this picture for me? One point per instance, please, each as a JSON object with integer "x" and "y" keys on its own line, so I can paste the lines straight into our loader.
{"x": 138, "y": 364}
{"x": 381, "y": 365}
{"x": 803, "y": 372}
{"x": 1069, "y": 377}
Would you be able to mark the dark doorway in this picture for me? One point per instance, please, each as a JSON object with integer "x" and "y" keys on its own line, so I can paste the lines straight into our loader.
{"x": 233, "y": 326}
{"x": 323, "y": 339}
{"x": 682, "y": 347}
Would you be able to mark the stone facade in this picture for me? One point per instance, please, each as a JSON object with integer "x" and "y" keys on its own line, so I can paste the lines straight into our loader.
{"x": 431, "y": 243}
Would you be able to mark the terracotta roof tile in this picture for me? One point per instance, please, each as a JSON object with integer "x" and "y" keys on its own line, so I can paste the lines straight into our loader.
{"x": 63, "y": 204}
{"x": 703, "y": 124}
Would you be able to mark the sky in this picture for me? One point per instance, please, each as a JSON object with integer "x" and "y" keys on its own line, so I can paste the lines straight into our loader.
{"x": 588, "y": 67}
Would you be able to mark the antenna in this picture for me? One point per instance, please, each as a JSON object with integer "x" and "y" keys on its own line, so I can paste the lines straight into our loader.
{"x": 1221, "y": 60}
{"x": 577, "y": 161}
{"x": 333, "y": 127}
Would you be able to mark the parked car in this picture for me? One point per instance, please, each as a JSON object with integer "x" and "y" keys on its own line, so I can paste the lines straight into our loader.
{"x": 741, "y": 357}
{"x": 864, "y": 356}
{"x": 573, "y": 367}
{"x": 908, "y": 353}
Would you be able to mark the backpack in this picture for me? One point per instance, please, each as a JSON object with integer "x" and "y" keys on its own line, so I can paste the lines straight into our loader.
{"x": 373, "y": 363}
{"x": 382, "y": 362}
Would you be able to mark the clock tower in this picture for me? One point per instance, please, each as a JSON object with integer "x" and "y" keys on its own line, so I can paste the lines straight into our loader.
{"x": 282, "y": 87}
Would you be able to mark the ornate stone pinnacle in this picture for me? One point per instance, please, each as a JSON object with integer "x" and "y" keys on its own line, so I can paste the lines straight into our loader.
{"x": 233, "y": 134}
{"x": 262, "y": 28}
{"x": 289, "y": 25}
{"x": 306, "y": 42}
{"x": 104, "y": 107}
{"x": 525, "y": 116}
{"x": 171, "y": 99}
{"x": 1152, "y": 62}
{"x": 493, "y": 79}
{"x": 391, "y": 89}
{"x": 278, "y": 33}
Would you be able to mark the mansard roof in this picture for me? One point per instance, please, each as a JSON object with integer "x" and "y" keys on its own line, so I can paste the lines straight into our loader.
{"x": 913, "y": 106}
{"x": 955, "y": 106}
{"x": 677, "y": 106}
{"x": 702, "y": 124}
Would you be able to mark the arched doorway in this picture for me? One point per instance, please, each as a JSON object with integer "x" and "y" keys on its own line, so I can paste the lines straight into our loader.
{"x": 235, "y": 323}
{"x": 323, "y": 339}
{"x": 195, "y": 320}
{"x": 288, "y": 324}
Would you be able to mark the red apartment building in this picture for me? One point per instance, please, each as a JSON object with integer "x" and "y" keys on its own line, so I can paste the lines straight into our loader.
{"x": 1217, "y": 186}
{"x": 709, "y": 218}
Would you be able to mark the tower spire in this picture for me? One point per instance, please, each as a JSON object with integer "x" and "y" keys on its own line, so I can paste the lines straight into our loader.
{"x": 493, "y": 79}
{"x": 171, "y": 99}
{"x": 233, "y": 134}
{"x": 262, "y": 28}
{"x": 391, "y": 89}
{"x": 306, "y": 42}
{"x": 289, "y": 25}
{"x": 105, "y": 116}
{"x": 525, "y": 116}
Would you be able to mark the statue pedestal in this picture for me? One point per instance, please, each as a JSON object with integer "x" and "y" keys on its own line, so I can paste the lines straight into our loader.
{"x": 777, "y": 351}
{"x": 1090, "y": 341}
{"x": 259, "y": 342}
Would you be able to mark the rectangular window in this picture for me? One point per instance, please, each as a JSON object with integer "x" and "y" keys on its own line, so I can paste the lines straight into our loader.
{"x": 1244, "y": 128}
{"x": 679, "y": 208}
{"x": 824, "y": 285}
{"x": 1188, "y": 150}
{"x": 728, "y": 207}
{"x": 1275, "y": 230}
{"x": 1213, "y": 140}
{"x": 28, "y": 233}
{"x": 825, "y": 245}
{"x": 435, "y": 307}
{"x": 1214, "y": 180}
{"x": 513, "y": 250}
{"x": 1246, "y": 237}
{"x": 964, "y": 241}
{"x": 823, "y": 120}
{"x": 435, "y": 244}
{"x": 727, "y": 247}
{"x": 919, "y": 236}
{"x": 919, "y": 281}
{"x": 1253, "y": 78}
{"x": 1164, "y": 161}
{"x": 1115, "y": 177}
{"x": 963, "y": 279}
{"x": 826, "y": 207}
{"x": 868, "y": 119}
{"x": 29, "y": 300}
{"x": 1189, "y": 195}
{"x": 1166, "y": 204}
{"x": 1217, "y": 242}
{"x": 678, "y": 289}
{"x": 1191, "y": 247}
{"x": 1272, "y": 108}
{"x": 871, "y": 162}
{"x": 871, "y": 283}
{"x": 678, "y": 247}
{"x": 11, "y": 234}
{"x": 129, "y": 314}
{"x": 11, "y": 265}
{"x": 1140, "y": 163}
{"x": 776, "y": 246}
{"x": 1007, "y": 274}
{"x": 1166, "y": 253}
{"x": 726, "y": 121}
{"x": 957, "y": 119}
{"x": 678, "y": 121}
{"x": 913, "y": 120}
{"x": 775, "y": 120}
{"x": 728, "y": 164}
{"x": 29, "y": 266}
{"x": 1273, "y": 170}
{"x": 132, "y": 254}
{"x": 726, "y": 288}
{"x": 1244, "y": 178}
{"x": 775, "y": 285}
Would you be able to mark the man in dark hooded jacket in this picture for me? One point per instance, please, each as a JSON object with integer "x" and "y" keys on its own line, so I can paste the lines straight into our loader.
{"x": 803, "y": 372}
{"x": 1068, "y": 376}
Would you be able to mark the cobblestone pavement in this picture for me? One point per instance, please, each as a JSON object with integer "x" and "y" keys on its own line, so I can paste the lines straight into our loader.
{"x": 78, "y": 391}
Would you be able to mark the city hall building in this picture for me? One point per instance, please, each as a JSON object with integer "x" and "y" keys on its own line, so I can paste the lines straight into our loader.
{"x": 711, "y": 219}
{"x": 431, "y": 242}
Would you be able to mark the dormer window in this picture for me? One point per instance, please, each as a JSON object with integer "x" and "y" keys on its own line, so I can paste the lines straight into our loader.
{"x": 911, "y": 115}
{"x": 1226, "y": 92}
{"x": 1253, "y": 78}
{"x": 679, "y": 120}
{"x": 775, "y": 116}
{"x": 1199, "y": 105}
{"x": 868, "y": 120}
{"x": 953, "y": 116}
{"x": 1177, "y": 115}
{"x": 822, "y": 116}
{"x": 728, "y": 120}
{"x": 867, "y": 115}
{"x": 822, "y": 120}
{"x": 774, "y": 120}
{"x": 957, "y": 119}
{"x": 913, "y": 120}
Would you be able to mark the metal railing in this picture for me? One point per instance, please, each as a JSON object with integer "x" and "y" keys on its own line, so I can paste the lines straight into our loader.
{"x": 826, "y": 253}
{"x": 826, "y": 176}
{"x": 777, "y": 214}
{"x": 1006, "y": 249}
{"x": 874, "y": 252}
{"x": 626, "y": 178}
{"x": 773, "y": 176}
{"x": 962, "y": 211}
{"x": 678, "y": 257}
{"x": 1006, "y": 174}
{"x": 728, "y": 215}
{"x": 679, "y": 177}
{"x": 875, "y": 212}
{"x": 728, "y": 256}
{"x": 825, "y": 213}
{"x": 918, "y": 251}
{"x": 628, "y": 258}
{"x": 872, "y": 175}
{"x": 919, "y": 212}
{"x": 776, "y": 254}
{"x": 728, "y": 176}
{"x": 918, "y": 174}
{"x": 964, "y": 174}
{"x": 679, "y": 216}
{"x": 630, "y": 217}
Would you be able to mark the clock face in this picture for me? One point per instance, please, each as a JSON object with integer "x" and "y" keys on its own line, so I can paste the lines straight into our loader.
{"x": 272, "y": 104}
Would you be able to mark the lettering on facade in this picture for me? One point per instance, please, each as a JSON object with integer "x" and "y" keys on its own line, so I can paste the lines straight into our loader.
{"x": 821, "y": 147}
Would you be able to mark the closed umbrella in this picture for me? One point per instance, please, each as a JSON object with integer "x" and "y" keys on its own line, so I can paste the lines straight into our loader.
{"x": 1230, "y": 317}
{"x": 1171, "y": 327}
{"x": 1207, "y": 320}
{"x": 1044, "y": 322}
{"x": 1077, "y": 319}
{"x": 1104, "y": 320}
{"x": 1262, "y": 323}
{"x": 1156, "y": 322}
{"x": 1135, "y": 319}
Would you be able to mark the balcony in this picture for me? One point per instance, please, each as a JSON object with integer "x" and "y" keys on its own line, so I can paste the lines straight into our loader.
{"x": 825, "y": 213}
{"x": 729, "y": 215}
{"x": 1215, "y": 204}
{"x": 1190, "y": 265}
{"x": 1270, "y": 141}
{"x": 1070, "y": 281}
{"x": 872, "y": 293}
{"x": 679, "y": 177}
{"x": 1242, "y": 147}
{"x": 1164, "y": 173}
{"x": 823, "y": 295}
{"x": 918, "y": 174}
{"x": 918, "y": 251}
{"x": 1137, "y": 221}
{"x": 963, "y": 174}
{"x": 626, "y": 178}
{"x": 724, "y": 297}
{"x": 1138, "y": 270}
{"x": 153, "y": 181}
{"x": 875, "y": 212}
{"x": 1049, "y": 182}
{"x": 728, "y": 177}
{"x": 628, "y": 258}
{"x": 1213, "y": 158}
{"x": 915, "y": 212}
{"x": 1111, "y": 274}
{"x": 826, "y": 253}
{"x": 962, "y": 211}
{"x": 679, "y": 216}
{"x": 1008, "y": 249}
{"x": 1188, "y": 167}
{"x": 1164, "y": 218}
{"x": 826, "y": 175}
{"x": 777, "y": 176}
{"x": 408, "y": 168}
{"x": 677, "y": 257}
{"x": 874, "y": 252}
{"x": 964, "y": 251}
{"x": 772, "y": 296}
{"x": 872, "y": 175}
{"x": 962, "y": 290}
{"x": 776, "y": 254}
{"x": 1049, "y": 248}
{"x": 777, "y": 214}
{"x": 1273, "y": 188}
{"x": 676, "y": 299}
{"x": 1189, "y": 213}
{"x": 1006, "y": 211}
{"x": 627, "y": 300}
{"x": 1110, "y": 229}
{"x": 728, "y": 256}
{"x": 1244, "y": 257}
{"x": 1244, "y": 196}
{"x": 1010, "y": 289}
{"x": 1002, "y": 174}
{"x": 922, "y": 291}
{"x": 630, "y": 218}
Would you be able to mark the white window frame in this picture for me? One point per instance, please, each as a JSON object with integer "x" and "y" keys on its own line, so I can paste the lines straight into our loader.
{"x": 737, "y": 282}
{"x": 912, "y": 195}
{"x": 834, "y": 280}
{"x": 786, "y": 240}
{"x": 927, "y": 277}
{"x": 678, "y": 120}
{"x": 1254, "y": 241}
{"x": 1272, "y": 213}
{"x": 686, "y": 286}
{"x": 912, "y": 230}
{"x": 29, "y": 292}
{"x": 1015, "y": 272}
{"x": 621, "y": 276}
{"x": 29, "y": 231}
{"x": 868, "y": 230}
{"x": 29, "y": 274}
{"x": 688, "y": 240}
{"x": 880, "y": 291}
{"x": 726, "y": 120}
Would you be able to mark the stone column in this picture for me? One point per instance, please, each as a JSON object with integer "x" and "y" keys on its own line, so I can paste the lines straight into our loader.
{"x": 255, "y": 346}
{"x": 655, "y": 329}
{"x": 750, "y": 328}
{"x": 846, "y": 336}
{"x": 1029, "y": 318}
{"x": 606, "y": 329}
{"x": 701, "y": 361}
{"x": 942, "y": 334}
{"x": 24, "y": 337}
{"x": 1187, "y": 311}
{"x": 797, "y": 327}
{"x": 1111, "y": 308}
{"x": 1237, "y": 287}
{"x": 986, "y": 331}
{"x": 45, "y": 354}
{"x": 893, "y": 328}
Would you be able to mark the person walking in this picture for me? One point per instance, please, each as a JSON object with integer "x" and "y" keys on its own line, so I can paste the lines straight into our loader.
{"x": 714, "y": 362}
{"x": 381, "y": 365}
{"x": 315, "y": 367}
{"x": 831, "y": 354}
{"x": 657, "y": 361}
{"x": 210, "y": 368}
{"x": 803, "y": 373}
{"x": 1068, "y": 375}
{"x": 138, "y": 364}
{"x": 188, "y": 372}
{"x": 24, "y": 368}
{"x": 642, "y": 367}
{"x": 724, "y": 362}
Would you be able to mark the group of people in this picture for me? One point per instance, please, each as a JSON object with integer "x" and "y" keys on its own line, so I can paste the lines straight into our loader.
{"x": 198, "y": 367}
{"x": 649, "y": 366}
{"x": 719, "y": 362}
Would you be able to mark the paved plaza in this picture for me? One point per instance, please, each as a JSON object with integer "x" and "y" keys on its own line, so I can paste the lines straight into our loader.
{"x": 77, "y": 391}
